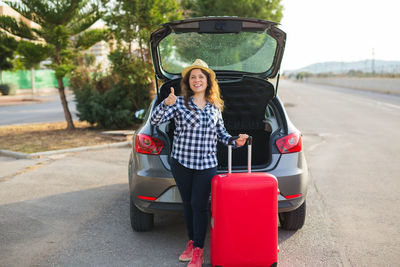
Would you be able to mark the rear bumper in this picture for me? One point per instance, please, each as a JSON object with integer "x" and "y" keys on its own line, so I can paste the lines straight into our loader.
{"x": 163, "y": 204}
{"x": 150, "y": 183}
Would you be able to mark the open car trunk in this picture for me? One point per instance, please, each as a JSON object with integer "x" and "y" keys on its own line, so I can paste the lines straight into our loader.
{"x": 243, "y": 52}
{"x": 246, "y": 100}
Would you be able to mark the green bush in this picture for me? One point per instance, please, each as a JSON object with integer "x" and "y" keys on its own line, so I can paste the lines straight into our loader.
{"x": 8, "y": 89}
{"x": 4, "y": 89}
{"x": 111, "y": 110}
{"x": 110, "y": 100}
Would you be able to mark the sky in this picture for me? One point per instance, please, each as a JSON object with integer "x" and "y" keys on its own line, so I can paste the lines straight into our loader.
{"x": 340, "y": 30}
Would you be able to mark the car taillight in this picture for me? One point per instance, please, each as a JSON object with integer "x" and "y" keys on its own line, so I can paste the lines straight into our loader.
{"x": 293, "y": 196}
{"x": 290, "y": 143}
{"x": 147, "y": 198}
{"x": 148, "y": 145}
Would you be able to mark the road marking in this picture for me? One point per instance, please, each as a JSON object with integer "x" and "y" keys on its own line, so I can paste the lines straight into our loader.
{"x": 373, "y": 102}
{"x": 356, "y": 97}
{"x": 389, "y": 105}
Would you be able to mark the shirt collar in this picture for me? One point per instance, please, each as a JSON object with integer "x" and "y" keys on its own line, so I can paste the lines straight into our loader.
{"x": 207, "y": 106}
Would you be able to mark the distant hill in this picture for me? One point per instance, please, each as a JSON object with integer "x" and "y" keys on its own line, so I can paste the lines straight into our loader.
{"x": 377, "y": 66}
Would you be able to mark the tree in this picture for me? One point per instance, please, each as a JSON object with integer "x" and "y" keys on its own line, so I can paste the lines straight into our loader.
{"x": 109, "y": 100}
{"x": 131, "y": 22}
{"x": 31, "y": 55}
{"x": 134, "y": 20}
{"x": 260, "y": 9}
{"x": 8, "y": 45}
{"x": 61, "y": 24}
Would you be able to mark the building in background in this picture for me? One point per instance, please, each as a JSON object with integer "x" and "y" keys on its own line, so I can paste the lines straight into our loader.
{"x": 8, "y": 11}
{"x": 101, "y": 49}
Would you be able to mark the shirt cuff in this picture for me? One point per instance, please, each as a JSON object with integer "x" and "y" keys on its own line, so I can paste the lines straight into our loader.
{"x": 235, "y": 145}
{"x": 163, "y": 105}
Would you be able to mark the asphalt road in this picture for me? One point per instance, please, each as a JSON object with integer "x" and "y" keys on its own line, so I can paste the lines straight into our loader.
{"x": 73, "y": 209}
{"x": 46, "y": 109}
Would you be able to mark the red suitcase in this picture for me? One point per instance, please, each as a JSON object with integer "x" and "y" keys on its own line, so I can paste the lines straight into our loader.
{"x": 244, "y": 224}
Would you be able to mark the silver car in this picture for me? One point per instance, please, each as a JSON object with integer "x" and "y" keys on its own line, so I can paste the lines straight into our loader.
{"x": 245, "y": 54}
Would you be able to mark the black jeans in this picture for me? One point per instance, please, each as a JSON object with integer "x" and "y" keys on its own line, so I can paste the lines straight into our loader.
{"x": 194, "y": 187}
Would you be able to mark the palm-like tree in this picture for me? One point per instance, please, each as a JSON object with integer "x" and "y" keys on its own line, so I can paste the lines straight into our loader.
{"x": 62, "y": 28}
{"x": 7, "y": 48}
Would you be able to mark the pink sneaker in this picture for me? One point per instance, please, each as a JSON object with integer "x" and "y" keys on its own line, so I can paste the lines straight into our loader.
{"x": 197, "y": 259}
{"x": 187, "y": 254}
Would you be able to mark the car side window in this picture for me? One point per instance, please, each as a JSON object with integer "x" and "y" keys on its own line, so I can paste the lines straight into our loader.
{"x": 270, "y": 121}
{"x": 269, "y": 112}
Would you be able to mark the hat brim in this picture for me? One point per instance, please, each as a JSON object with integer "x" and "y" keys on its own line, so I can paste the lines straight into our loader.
{"x": 209, "y": 71}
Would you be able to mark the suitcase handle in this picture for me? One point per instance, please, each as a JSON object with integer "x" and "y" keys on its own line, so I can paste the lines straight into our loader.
{"x": 230, "y": 143}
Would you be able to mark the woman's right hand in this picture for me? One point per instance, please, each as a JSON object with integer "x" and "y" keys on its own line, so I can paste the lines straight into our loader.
{"x": 171, "y": 99}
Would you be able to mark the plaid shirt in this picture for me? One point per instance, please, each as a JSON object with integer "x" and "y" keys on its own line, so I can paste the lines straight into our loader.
{"x": 196, "y": 134}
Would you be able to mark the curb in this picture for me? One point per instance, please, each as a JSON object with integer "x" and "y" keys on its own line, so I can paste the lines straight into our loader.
{"x": 12, "y": 154}
{"x": 19, "y": 155}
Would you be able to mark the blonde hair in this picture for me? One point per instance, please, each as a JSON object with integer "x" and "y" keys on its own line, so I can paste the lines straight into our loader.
{"x": 212, "y": 94}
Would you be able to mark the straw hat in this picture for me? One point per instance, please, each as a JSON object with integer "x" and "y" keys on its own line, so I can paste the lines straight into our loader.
{"x": 199, "y": 64}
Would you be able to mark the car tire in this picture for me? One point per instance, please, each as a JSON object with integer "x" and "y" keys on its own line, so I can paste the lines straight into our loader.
{"x": 293, "y": 220}
{"x": 140, "y": 221}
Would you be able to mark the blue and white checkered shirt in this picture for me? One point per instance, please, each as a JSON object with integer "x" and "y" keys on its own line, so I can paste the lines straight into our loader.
{"x": 196, "y": 134}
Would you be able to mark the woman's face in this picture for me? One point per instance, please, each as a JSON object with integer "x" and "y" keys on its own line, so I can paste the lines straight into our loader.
{"x": 197, "y": 81}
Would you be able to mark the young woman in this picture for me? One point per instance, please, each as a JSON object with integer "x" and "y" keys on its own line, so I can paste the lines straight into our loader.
{"x": 199, "y": 126}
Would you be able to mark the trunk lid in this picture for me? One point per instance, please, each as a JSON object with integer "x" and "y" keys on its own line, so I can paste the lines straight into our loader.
{"x": 229, "y": 45}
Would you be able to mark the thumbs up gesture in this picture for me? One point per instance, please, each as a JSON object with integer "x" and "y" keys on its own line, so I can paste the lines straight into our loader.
{"x": 171, "y": 99}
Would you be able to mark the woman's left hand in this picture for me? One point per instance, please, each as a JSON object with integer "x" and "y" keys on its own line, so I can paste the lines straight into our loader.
{"x": 242, "y": 139}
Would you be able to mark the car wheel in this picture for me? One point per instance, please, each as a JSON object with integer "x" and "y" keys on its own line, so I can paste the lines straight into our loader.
{"x": 140, "y": 221}
{"x": 293, "y": 220}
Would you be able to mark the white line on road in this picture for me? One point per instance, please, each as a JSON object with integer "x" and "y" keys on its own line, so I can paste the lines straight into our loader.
{"x": 372, "y": 102}
{"x": 389, "y": 105}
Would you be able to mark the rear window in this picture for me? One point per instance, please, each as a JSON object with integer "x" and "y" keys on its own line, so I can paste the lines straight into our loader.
{"x": 251, "y": 52}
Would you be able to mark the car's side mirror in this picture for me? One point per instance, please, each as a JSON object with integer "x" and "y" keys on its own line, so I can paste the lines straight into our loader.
{"x": 140, "y": 114}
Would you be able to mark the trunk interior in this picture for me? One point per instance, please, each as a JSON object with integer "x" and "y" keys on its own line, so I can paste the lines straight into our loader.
{"x": 246, "y": 100}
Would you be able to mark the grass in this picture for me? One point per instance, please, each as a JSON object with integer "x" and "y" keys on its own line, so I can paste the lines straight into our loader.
{"x": 31, "y": 138}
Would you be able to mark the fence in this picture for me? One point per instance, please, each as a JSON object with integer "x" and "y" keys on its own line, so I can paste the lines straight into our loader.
{"x": 22, "y": 79}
